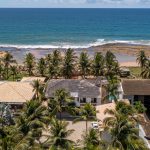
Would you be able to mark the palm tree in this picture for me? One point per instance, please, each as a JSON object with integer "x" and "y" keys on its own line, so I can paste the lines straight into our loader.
{"x": 143, "y": 62}
{"x": 14, "y": 71}
{"x": 29, "y": 63}
{"x": 69, "y": 64}
{"x": 146, "y": 70}
{"x": 84, "y": 64}
{"x": 92, "y": 141}
{"x": 7, "y": 60}
{"x": 87, "y": 113}
{"x": 58, "y": 139}
{"x": 98, "y": 64}
{"x": 54, "y": 64}
{"x": 37, "y": 87}
{"x": 112, "y": 64}
{"x": 32, "y": 121}
{"x": 41, "y": 66}
{"x": 112, "y": 88}
{"x": 123, "y": 131}
{"x": 1, "y": 70}
{"x": 141, "y": 59}
{"x": 59, "y": 102}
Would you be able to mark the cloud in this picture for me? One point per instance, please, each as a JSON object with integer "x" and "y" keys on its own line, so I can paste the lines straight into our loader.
{"x": 75, "y": 3}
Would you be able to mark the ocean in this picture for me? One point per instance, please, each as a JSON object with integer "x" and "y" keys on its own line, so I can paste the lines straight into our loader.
{"x": 74, "y": 28}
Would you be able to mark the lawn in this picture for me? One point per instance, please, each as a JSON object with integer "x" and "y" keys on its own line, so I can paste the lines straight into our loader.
{"x": 135, "y": 71}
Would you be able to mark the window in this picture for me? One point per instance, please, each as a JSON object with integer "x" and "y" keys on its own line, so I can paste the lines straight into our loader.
{"x": 82, "y": 100}
{"x": 94, "y": 100}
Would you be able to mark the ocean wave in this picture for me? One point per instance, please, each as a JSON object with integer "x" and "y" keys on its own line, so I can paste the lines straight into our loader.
{"x": 98, "y": 42}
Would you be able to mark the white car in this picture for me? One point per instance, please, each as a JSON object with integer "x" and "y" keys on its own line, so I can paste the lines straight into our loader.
{"x": 95, "y": 125}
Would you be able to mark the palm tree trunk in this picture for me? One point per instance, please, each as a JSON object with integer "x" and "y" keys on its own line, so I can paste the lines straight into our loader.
{"x": 7, "y": 73}
{"x": 86, "y": 126}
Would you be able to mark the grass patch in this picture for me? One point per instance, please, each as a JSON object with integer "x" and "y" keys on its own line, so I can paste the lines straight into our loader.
{"x": 135, "y": 71}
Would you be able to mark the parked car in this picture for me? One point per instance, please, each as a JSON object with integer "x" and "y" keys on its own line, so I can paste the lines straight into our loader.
{"x": 95, "y": 125}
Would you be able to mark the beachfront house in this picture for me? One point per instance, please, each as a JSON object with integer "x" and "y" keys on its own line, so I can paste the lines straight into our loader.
{"x": 136, "y": 90}
{"x": 82, "y": 91}
{"x": 17, "y": 93}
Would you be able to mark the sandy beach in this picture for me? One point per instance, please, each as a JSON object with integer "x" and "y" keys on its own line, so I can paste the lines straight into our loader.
{"x": 125, "y": 53}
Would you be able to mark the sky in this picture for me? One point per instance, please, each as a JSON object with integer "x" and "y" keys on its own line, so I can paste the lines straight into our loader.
{"x": 76, "y": 3}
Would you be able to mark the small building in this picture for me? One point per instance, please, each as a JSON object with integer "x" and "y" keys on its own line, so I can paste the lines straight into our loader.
{"x": 137, "y": 90}
{"x": 83, "y": 91}
{"x": 15, "y": 93}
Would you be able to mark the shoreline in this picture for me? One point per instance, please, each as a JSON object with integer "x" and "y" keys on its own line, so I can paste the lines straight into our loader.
{"x": 126, "y": 53}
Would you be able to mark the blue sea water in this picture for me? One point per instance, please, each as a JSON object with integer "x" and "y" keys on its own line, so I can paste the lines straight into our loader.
{"x": 50, "y": 28}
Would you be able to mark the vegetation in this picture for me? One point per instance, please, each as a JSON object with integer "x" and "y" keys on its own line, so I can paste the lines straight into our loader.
{"x": 29, "y": 63}
{"x": 87, "y": 113}
{"x": 139, "y": 107}
{"x": 122, "y": 129}
{"x": 84, "y": 64}
{"x": 144, "y": 63}
{"x": 40, "y": 123}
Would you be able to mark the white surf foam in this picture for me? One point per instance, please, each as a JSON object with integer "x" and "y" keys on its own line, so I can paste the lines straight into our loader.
{"x": 75, "y": 46}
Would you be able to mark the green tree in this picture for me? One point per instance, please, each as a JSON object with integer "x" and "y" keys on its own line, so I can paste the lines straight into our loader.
{"x": 84, "y": 64}
{"x": 112, "y": 65}
{"x": 32, "y": 121}
{"x": 59, "y": 102}
{"x": 14, "y": 71}
{"x": 29, "y": 63}
{"x": 58, "y": 139}
{"x": 38, "y": 88}
{"x": 98, "y": 64}
{"x": 141, "y": 59}
{"x": 87, "y": 113}
{"x": 54, "y": 64}
{"x": 1, "y": 70}
{"x": 7, "y": 60}
{"x": 69, "y": 64}
{"x": 146, "y": 70}
{"x": 112, "y": 88}
{"x": 41, "y": 66}
{"x": 139, "y": 107}
{"x": 92, "y": 141}
{"x": 123, "y": 131}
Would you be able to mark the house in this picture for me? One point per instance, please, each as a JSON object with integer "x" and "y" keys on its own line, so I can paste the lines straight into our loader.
{"x": 136, "y": 90}
{"x": 83, "y": 91}
{"x": 15, "y": 93}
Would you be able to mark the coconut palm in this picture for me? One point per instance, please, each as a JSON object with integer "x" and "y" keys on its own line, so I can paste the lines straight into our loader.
{"x": 69, "y": 64}
{"x": 143, "y": 62}
{"x": 84, "y": 64}
{"x": 123, "y": 131}
{"x": 7, "y": 60}
{"x": 37, "y": 88}
{"x": 146, "y": 70}
{"x": 92, "y": 141}
{"x": 41, "y": 66}
{"x": 14, "y": 71}
{"x": 87, "y": 113}
{"x": 54, "y": 64}
{"x": 32, "y": 121}
{"x": 29, "y": 63}
{"x": 98, "y": 64}
{"x": 141, "y": 59}
{"x": 112, "y": 88}
{"x": 59, "y": 102}
{"x": 58, "y": 139}
{"x": 112, "y": 65}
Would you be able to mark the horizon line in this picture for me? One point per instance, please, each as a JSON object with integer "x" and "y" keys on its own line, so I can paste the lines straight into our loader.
{"x": 74, "y": 8}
